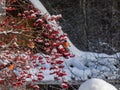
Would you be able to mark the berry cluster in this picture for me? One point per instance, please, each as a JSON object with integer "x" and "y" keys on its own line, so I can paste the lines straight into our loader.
{"x": 25, "y": 35}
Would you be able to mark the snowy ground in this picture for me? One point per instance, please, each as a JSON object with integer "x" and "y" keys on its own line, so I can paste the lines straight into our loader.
{"x": 89, "y": 65}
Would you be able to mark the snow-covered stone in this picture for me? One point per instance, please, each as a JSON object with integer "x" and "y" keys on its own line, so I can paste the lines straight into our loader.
{"x": 96, "y": 84}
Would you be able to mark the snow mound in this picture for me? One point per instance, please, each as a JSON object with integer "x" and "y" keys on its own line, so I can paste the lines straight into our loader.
{"x": 96, "y": 84}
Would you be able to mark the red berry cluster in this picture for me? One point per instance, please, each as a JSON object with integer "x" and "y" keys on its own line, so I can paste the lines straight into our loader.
{"x": 24, "y": 35}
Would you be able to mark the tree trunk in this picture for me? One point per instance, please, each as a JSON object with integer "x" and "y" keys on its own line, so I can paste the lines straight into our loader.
{"x": 85, "y": 23}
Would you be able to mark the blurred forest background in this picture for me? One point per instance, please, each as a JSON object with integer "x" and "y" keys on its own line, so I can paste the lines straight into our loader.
{"x": 92, "y": 25}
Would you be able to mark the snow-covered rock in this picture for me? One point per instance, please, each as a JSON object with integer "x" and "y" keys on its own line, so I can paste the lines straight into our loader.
{"x": 96, "y": 84}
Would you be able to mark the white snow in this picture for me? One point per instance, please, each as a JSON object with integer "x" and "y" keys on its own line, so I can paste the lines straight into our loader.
{"x": 96, "y": 84}
{"x": 96, "y": 65}
{"x": 39, "y": 5}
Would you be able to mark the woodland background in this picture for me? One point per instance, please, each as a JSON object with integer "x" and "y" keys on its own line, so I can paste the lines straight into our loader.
{"x": 92, "y": 25}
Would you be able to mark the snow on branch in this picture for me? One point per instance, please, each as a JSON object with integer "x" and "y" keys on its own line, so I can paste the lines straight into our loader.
{"x": 9, "y": 31}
